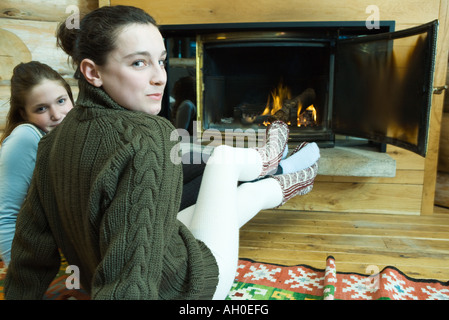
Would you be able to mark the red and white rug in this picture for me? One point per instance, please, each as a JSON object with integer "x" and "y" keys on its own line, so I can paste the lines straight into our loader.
{"x": 265, "y": 281}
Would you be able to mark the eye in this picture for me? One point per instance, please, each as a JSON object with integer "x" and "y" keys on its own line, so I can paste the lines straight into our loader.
{"x": 62, "y": 100}
{"x": 162, "y": 62}
{"x": 139, "y": 63}
{"x": 41, "y": 109}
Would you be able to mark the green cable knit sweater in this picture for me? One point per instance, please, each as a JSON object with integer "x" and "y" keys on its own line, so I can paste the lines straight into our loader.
{"x": 106, "y": 194}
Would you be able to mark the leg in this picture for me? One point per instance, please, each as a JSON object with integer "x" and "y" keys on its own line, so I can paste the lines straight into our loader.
{"x": 192, "y": 176}
{"x": 219, "y": 212}
{"x": 257, "y": 165}
{"x": 252, "y": 197}
{"x": 222, "y": 207}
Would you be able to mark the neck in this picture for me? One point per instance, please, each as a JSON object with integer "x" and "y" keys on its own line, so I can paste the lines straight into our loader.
{"x": 90, "y": 96}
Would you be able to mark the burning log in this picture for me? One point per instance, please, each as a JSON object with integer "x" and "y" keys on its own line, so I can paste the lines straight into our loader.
{"x": 293, "y": 107}
{"x": 281, "y": 108}
{"x": 305, "y": 99}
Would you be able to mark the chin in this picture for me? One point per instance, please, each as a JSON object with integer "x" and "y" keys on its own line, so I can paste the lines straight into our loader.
{"x": 154, "y": 111}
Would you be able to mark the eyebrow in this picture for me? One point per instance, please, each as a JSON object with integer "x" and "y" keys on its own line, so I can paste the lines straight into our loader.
{"x": 143, "y": 53}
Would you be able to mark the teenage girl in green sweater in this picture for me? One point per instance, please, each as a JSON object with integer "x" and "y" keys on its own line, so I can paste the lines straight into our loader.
{"x": 110, "y": 200}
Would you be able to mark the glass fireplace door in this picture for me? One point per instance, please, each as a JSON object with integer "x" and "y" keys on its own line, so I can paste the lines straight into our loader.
{"x": 383, "y": 87}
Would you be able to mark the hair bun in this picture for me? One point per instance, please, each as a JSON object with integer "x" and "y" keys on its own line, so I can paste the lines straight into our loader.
{"x": 66, "y": 39}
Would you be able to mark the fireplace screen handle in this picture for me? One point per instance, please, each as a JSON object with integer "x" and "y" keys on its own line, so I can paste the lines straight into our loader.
{"x": 440, "y": 89}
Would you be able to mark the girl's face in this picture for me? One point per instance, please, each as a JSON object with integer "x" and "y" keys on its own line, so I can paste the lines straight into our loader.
{"x": 134, "y": 73}
{"x": 46, "y": 105}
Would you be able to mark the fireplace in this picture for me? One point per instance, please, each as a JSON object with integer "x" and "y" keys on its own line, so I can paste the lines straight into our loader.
{"x": 254, "y": 78}
{"x": 325, "y": 79}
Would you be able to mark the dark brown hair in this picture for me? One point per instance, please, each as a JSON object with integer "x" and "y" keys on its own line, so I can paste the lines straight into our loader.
{"x": 97, "y": 34}
{"x": 24, "y": 78}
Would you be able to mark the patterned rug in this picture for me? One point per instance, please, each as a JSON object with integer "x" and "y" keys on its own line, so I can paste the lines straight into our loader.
{"x": 264, "y": 281}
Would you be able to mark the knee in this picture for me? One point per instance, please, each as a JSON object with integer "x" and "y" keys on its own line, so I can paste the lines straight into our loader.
{"x": 220, "y": 154}
{"x": 221, "y": 149}
{"x": 246, "y": 188}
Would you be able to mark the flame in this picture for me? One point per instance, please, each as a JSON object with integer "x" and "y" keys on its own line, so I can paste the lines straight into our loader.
{"x": 300, "y": 120}
{"x": 276, "y": 100}
{"x": 278, "y": 95}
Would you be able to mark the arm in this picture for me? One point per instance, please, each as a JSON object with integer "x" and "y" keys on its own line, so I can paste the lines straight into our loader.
{"x": 17, "y": 159}
{"x": 35, "y": 257}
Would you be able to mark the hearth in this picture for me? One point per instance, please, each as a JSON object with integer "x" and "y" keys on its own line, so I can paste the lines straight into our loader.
{"x": 322, "y": 78}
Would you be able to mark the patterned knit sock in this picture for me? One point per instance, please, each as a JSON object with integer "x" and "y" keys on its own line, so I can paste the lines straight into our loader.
{"x": 271, "y": 153}
{"x": 297, "y": 183}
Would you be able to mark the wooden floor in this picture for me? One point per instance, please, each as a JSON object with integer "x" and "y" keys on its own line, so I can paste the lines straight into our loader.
{"x": 416, "y": 245}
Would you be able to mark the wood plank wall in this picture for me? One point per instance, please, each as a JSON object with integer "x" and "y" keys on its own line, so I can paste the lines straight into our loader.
{"x": 412, "y": 190}
{"x": 442, "y": 187}
{"x": 27, "y": 32}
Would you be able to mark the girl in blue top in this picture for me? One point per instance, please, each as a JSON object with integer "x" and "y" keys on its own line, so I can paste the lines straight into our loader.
{"x": 40, "y": 99}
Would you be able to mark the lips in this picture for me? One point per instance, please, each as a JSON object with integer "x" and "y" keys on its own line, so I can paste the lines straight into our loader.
{"x": 155, "y": 96}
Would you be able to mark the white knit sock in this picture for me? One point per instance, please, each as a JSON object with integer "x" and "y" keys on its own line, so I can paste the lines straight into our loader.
{"x": 302, "y": 159}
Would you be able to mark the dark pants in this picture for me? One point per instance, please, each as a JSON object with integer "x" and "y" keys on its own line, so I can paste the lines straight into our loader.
{"x": 192, "y": 176}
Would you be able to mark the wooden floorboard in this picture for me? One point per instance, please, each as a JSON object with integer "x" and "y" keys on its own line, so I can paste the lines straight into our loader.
{"x": 416, "y": 245}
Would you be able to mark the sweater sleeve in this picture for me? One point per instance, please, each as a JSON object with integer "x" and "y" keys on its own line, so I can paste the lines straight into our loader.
{"x": 35, "y": 258}
{"x": 17, "y": 160}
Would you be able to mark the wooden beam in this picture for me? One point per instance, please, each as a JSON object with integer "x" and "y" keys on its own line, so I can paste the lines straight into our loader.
{"x": 103, "y": 3}
{"x": 442, "y": 190}
{"x": 12, "y": 51}
{"x": 431, "y": 164}
{"x": 443, "y": 154}
{"x": 213, "y": 11}
{"x": 39, "y": 38}
{"x": 44, "y": 11}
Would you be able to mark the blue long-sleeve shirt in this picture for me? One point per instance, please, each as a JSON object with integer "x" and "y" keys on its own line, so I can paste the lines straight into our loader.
{"x": 17, "y": 160}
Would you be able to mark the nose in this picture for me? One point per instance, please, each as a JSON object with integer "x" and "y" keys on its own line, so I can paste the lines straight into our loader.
{"x": 158, "y": 77}
{"x": 55, "y": 113}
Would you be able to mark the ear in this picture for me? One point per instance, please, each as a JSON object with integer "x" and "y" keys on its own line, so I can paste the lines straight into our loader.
{"x": 90, "y": 71}
{"x": 23, "y": 114}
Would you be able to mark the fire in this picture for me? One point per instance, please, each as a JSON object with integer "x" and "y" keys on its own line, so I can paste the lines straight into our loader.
{"x": 308, "y": 115}
{"x": 282, "y": 97}
{"x": 278, "y": 95}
